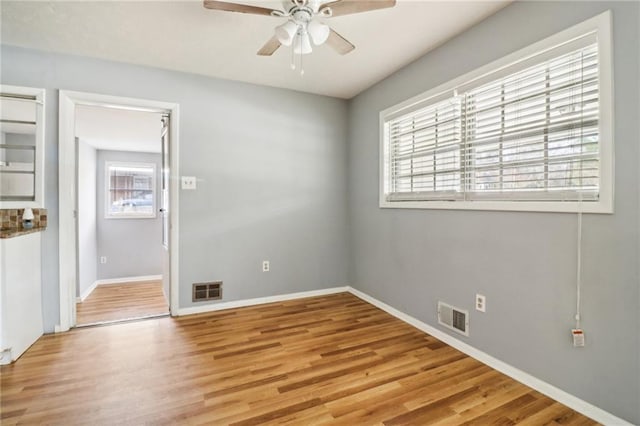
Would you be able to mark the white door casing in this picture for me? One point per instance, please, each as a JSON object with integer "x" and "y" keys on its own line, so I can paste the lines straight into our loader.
{"x": 67, "y": 193}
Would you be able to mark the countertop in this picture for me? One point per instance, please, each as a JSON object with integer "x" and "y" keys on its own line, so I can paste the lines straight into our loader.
{"x": 16, "y": 232}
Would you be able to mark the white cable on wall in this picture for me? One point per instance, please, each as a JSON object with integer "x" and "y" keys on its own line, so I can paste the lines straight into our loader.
{"x": 579, "y": 233}
{"x": 579, "y": 261}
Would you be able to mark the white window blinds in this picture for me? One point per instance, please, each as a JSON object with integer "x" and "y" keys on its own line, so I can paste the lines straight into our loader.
{"x": 534, "y": 134}
{"x": 425, "y": 152}
{"x": 529, "y": 133}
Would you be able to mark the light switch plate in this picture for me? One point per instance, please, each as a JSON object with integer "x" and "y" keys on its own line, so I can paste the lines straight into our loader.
{"x": 188, "y": 182}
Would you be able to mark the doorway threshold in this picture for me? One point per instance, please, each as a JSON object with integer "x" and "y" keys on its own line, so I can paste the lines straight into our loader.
{"x": 124, "y": 320}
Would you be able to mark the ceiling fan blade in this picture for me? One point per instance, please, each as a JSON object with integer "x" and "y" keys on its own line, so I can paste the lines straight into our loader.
{"x": 235, "y": 7}
{"x": 269, "y": 47}
{"x": 347, "y": 7}
{"x": 339, "y": 43}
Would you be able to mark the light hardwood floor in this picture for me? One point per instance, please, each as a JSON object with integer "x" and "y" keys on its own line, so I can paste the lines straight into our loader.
{"x": 332, "y": 359}
{"x": 114, "y": 302}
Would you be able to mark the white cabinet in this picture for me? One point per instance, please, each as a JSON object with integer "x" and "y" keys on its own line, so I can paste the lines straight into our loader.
{"x": 20, "y": 295}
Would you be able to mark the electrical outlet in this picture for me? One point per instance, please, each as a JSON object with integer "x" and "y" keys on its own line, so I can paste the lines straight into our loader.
{"x": 265, "y": 266}
{"x": 188, "y": 182}
{"x": 103, "y": 259}
{"x": 481, "y": 303}
{"x": 578, "y": 337}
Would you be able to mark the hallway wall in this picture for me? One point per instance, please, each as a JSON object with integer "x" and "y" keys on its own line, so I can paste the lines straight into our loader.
{"x": 87, "y": 226}
{"x": 133, "y": 247}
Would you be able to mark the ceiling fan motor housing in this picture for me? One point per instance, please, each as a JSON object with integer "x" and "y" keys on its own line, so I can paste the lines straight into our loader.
{"x": 303, "y": 15}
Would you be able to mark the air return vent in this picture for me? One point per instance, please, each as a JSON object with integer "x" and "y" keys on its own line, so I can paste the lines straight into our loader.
{"x": 454, "y": 318}
{"x": 207, "y": 291}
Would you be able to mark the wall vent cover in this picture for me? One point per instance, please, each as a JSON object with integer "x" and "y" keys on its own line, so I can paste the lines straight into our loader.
{"x": 207, "y": 291}
{"x": 453, "y": 318}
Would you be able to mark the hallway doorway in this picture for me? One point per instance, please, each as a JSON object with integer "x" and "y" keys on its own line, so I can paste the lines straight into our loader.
{"x": 116, "y": 258}
{"x": 120, "y": 214}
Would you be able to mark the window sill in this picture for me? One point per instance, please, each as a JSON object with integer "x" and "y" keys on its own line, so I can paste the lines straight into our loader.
{"x": 600, "y": 207}
{"x": 132, "y": 217}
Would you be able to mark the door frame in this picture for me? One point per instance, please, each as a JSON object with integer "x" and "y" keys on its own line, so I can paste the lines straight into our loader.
{"x": 68, "y": 100}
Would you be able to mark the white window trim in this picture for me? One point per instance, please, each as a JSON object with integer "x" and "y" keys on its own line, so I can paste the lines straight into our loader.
{"x": 600, "y": 24}
{"x": 107, "y": 189}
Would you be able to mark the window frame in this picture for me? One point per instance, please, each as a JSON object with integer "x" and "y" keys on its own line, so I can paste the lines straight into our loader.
{"x": 107, "y": 189}
{"x": 39, "y": 160}
{"x": 601, "y": 25}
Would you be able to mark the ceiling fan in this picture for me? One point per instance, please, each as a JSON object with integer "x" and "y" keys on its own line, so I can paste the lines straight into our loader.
{"x": 303, "y": 23}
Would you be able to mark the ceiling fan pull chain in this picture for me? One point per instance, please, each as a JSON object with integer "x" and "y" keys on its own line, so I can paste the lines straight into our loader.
{"x": 293, "y": 59}
{"x": 299, "y": 39}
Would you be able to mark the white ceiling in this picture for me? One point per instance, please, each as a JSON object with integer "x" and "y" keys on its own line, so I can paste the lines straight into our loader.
{"x": 118, "y": 129}
{"x": 184, "y": 36}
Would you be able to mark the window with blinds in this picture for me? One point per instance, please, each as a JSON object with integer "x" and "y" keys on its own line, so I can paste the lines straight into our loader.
{"x": 425, "y": 152}
{"x": 534, "y": 134}
{"x": 526, "y": 132}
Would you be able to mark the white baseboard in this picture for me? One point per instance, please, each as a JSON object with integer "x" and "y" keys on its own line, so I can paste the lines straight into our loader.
{"x": 87, "y": 292}
{"x": 131, "y": 280}
{"x": 259, "y": 301}
{"x": 545, "y": 388}
{"x": 5, "y": 356}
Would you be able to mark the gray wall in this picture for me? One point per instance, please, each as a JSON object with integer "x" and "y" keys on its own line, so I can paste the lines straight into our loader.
{"x": 271, "y": 168}
{"x": 133, "y": 247}
{"x": 87, "y": 227}
{"x": 523, "y": 262}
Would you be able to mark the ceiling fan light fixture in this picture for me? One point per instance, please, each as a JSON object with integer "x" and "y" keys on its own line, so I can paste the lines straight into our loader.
{"x": 302, "y": 45}
{"x": 286, "y": 32}
{"x": 319, "y": 32}
{"x": 301, "y": 26}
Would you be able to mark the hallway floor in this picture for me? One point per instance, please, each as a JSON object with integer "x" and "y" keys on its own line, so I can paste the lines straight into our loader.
{"x": 114, "y": 302}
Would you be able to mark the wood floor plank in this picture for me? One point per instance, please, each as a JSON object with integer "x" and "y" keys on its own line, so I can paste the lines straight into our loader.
{"x": 324, "y": 360}
{"x": 113, "y": 302}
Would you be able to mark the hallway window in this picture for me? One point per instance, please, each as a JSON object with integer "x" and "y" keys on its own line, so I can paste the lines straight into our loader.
{"x": 131, "y": 190}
